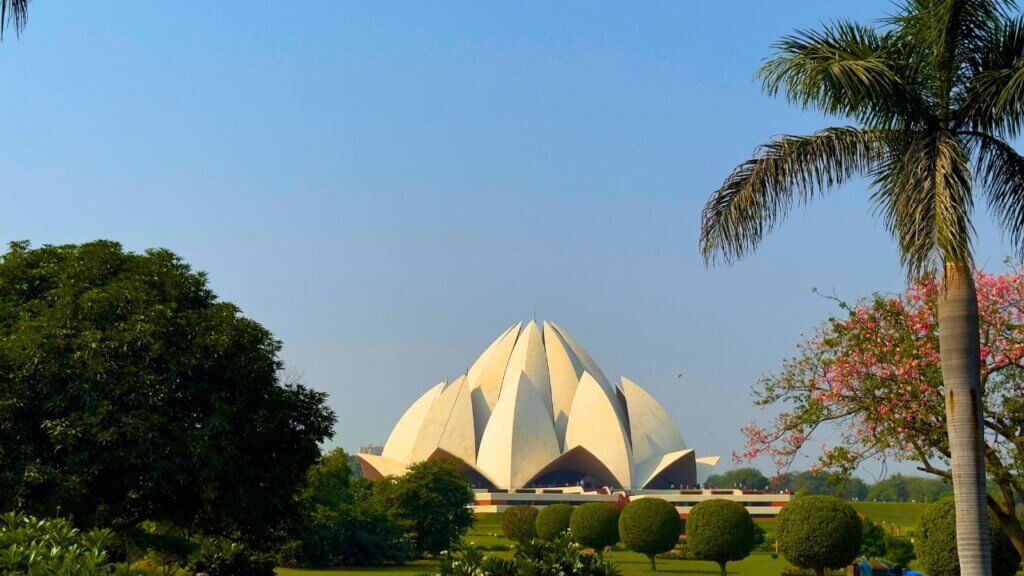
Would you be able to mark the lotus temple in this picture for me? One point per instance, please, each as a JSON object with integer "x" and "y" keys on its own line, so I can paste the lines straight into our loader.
{"x": 534, "y": 420}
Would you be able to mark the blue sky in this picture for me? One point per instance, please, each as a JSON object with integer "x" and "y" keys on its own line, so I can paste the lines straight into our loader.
{"x": 388, "y": 186}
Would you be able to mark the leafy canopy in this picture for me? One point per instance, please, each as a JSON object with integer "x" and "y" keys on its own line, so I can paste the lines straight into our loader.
{"x": 129, "y": 392}
{"x": 932, "y": 96}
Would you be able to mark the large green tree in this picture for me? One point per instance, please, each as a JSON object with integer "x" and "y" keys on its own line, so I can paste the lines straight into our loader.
{"x": 933, "y": 93}
{"x": 129, "y": 392}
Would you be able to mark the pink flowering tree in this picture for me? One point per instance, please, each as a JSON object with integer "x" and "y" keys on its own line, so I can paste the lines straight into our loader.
{"x": 870, "y": 377}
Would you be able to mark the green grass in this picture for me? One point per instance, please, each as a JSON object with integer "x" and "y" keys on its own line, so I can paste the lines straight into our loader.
{"x": 903, "y": 514}
{"x": 487, "y": 533}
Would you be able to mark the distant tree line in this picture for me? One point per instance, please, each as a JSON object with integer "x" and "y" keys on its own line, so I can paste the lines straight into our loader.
{"x": 895, "y": 488}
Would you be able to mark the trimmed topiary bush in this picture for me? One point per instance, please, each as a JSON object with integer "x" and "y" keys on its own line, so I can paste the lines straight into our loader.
{"x": 595, "y": 525}
{"x": 819, "y": 532}
{"x": 519, "y": 523}
{"x": 935, "y": 543}
{"x": 553, "y": 521}
{"x": 721, "y": 531}
{"x": 649, "y": 526}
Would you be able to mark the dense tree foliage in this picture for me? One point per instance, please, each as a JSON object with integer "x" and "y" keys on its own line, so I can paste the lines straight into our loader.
{"x": 432, "y": 500}
{"x": 519, "y": 523}
{"x": 745, "y": 478}
{"x": 649, "y": 526}
{"x": 900, "y": 488}
{"x": 935, "y": 543}
{"x": 721, "y": 531}
{"x": 596, "y": 525}
{"x": 899, "y": 550}
{"x": 872, "y": 374}
{"x": 553, "y": 521}
{"x": 872, "y": 543}
{"x": 343, "y": 521}
{"x": 129, "y": 392}
{"x": 818, "y": 482}
{"x": 819, "y": 533}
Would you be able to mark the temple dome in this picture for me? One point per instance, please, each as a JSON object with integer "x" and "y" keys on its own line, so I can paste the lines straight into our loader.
{"x": 535, "y": 410}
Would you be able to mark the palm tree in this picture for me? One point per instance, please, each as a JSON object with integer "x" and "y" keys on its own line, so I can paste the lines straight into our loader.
{"x": 932, "y": 94}
{"x": 12, "y": 15}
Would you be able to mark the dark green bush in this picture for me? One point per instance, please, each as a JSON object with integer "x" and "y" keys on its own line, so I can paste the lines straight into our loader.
{"x": 537, "y": 557}
{"x": 721, "y": 531}
{"x": 935, "y": 543}
{"x": 899, "y": 551}
{"x": 221, "y": 557}
{"x": 649, "y": 526}
{"x": 519, "y": 523}
{"x": 819, "y": 532}
{"x": 432, "y": 500}
{"x": 872, "y": 543}
{"x": 553, "y": 521}
{"x": 595, "y": 525}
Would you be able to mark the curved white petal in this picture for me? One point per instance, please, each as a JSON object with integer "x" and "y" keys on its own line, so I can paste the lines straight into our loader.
{"x": 581, "y": 461}
{"x": 485, "y": 376}
{"x": 528, "y": 358}
{"x": 565, "y": 370}
{"x": 652, "y": 432}
{"x": 403, "y": 436}
{"x": 459, "y": 437}
{"x": 595, "y": 425}
{"x": 376, "y": 467}
{"x": 677, "y": 468}
{"x": 436, "y": 421}
{"x": 705, "y": 466}
{"x": 520, "y": 436}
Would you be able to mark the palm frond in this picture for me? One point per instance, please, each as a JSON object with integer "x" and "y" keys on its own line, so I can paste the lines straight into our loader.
{"x": 845, "y": 69}
{"x": 999, "y": 170}
{"x": 995, "y": 94}
{"x": 923, "y": 192}
{"x": 951, "y": 32}
{"x": 13, "y": 14}
{"x": 784, "y": 171}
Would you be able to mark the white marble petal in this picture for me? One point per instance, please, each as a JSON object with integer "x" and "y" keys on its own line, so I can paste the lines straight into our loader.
{"x": 403, "y": 436}
{"x": 486, "y": 374}
{"x": 520, "y": 436}
{"x": 652, "y": 432}
{"x": 594, "y": 424}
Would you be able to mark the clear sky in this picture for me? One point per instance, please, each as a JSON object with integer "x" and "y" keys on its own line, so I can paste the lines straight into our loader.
{"x": 388, "y": 186}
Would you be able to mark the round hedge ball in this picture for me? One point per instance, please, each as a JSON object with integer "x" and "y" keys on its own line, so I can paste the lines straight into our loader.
{"x": 649, "y": 526}
{"x": 519, "y": 523}
{"x": 720, "y": 531}
{"x": 553, "y": 521}
{"x": 819, "y": 532}
{"x": 595, "y": 525}
{"x": 935, "y": 543}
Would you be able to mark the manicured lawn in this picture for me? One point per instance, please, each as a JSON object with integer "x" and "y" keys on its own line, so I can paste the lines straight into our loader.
{"x": 487, "y": 534}
{"x": 903, "y": 514}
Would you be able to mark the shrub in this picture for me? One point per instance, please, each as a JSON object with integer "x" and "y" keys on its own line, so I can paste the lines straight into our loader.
{"x": 51, "y": 546}
{"x": 553, "y": 521}
{"x": 432, "y": 499}
{"x": 519, "y": 523}
{"x": 819, "y": 532}
{"x": 899, "y": 551}
{"x": 221, "y": 557}
{"x": 649, "y": 526}
{"x": 342, "y": 522}
{"x": 596, "y": 525}
{"x": 872, "y": 543}
{"x": 935, "y": 543}
{"x": 538, "y": 557}
{"x": 721, "y": 531}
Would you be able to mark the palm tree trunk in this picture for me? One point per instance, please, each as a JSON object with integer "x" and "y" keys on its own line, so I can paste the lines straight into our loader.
{"x": 959, "y": 350}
